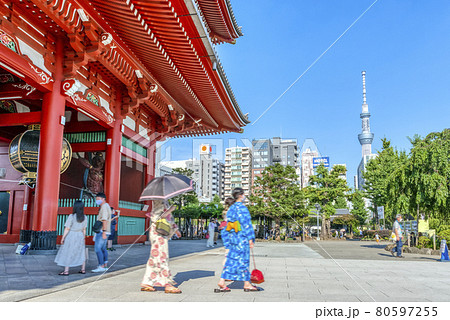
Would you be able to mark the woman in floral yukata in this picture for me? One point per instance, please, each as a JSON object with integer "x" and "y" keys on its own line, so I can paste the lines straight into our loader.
{"x": 238, "y": 237}
{"x": 157, "y": 273}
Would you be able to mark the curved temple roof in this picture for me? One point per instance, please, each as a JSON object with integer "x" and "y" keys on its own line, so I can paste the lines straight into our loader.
{"x": 165, "y": 39}
{"x": 220, "y": 20}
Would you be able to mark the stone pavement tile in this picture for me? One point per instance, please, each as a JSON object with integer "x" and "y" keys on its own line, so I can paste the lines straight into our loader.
{"x": 340, "y": 298}
{"x": 332, "y": 289}
{"x": 260, "y": 297}
{"x": 226, "y": 297}
{"x": 138, "y": 296}
{"x": 439, "y": 297}
{"x": 304, "y": 289}
{"x": 305, "y": 297}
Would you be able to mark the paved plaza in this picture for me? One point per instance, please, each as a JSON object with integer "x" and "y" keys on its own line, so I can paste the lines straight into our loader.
{"x": 313, "y": 272}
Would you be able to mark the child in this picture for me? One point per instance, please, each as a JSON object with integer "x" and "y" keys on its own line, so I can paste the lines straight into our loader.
{"x": 377, "y": 237}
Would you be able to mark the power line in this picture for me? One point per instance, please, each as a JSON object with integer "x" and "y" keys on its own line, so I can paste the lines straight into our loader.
{"x": 315, "y": 61}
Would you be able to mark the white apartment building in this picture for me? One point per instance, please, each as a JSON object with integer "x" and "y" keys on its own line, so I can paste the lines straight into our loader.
{"x": 238, "y": 170}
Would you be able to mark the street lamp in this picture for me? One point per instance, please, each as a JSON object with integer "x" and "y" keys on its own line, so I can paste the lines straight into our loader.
{"x": 317, "y": 211}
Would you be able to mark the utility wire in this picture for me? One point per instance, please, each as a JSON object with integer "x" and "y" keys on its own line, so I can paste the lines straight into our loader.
{"x": 315, "y": 61}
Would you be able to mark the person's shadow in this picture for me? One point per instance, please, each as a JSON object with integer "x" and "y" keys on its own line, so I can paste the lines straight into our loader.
{"x": 181, "y": 277}
{"x": 240, "y": 285}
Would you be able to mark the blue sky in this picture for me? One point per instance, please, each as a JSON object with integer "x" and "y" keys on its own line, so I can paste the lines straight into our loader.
{"x": 402, "y": 45}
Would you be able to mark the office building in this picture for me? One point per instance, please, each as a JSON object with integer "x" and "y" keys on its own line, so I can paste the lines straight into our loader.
{"x": 285, "y": 152}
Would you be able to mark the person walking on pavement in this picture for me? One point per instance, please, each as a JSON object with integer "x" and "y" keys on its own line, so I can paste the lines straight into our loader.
{"x": 104, "y": 215}
{"x": 114, "y": 217}
{"x": 157, "y": 272}
{"x": 211, "y": 228}
{"x": 397, "y": 229}
{"x": 238, "y": 237}
{"x": 72, "y": 252}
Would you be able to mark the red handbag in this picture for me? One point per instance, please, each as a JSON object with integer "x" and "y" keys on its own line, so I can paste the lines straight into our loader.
{"x": 256, "y": 276}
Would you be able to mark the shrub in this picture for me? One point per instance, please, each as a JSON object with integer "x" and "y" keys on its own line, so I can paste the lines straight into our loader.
{"x": 424, "y": 242}
{"x": 444, "y": 235}
{"x": 438, "y": 225}
{"x": 382, "y": 233}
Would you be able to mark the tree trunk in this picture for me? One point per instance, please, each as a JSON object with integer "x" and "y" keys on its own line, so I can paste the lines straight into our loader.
{"x": 303, "y": 232}
{"x": 328, "y": 221}
{"x": 418, "y": 213}
{"x": 377, "y": 220}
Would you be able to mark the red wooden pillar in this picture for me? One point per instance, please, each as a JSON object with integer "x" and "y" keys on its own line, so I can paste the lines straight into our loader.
{"x": 113, "y": 158}
{"x": 43, "y": 235}
{"x": 25, "y": 228}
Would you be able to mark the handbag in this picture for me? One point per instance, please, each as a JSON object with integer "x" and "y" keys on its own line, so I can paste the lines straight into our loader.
{"x": 97, "y": 227}
{"x": 163, "y": 227}
{"x": 256, "y": 275}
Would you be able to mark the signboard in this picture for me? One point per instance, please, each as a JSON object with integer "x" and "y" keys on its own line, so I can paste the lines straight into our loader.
{"x": 321, "y": 160}
{"x": 205, "y": 149}
{"x": 380, "y": 212}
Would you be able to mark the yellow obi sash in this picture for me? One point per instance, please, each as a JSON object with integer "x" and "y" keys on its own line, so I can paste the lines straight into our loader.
{"x": 234, "y": 225}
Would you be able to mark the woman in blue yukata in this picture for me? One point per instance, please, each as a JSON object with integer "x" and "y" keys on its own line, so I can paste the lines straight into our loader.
{"x": 238, "y": 237}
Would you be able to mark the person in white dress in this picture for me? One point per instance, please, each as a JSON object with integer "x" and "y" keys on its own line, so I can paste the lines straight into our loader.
{"x": 211, "y": 228}
{"x": 72, "y": 252}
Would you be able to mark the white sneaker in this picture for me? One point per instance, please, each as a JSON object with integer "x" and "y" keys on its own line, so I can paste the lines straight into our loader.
{"x": 99, "y": 269}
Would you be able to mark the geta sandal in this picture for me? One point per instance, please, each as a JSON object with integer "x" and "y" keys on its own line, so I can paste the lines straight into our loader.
{"x": 148, "y": 289}
{"x": 172, "y": 290}
{"x": 254, "y": 289}
{"x": 222, "y": 289}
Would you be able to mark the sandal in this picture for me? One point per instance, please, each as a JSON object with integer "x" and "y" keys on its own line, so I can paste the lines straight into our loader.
{"x": 172, "y": 290}
{"x": 82, "y": 271}
{"x": 63, "y": 273}
{"x": 253, "y": 289}
{"x": 148, "y": 288}
{"x": 222, "y": 289}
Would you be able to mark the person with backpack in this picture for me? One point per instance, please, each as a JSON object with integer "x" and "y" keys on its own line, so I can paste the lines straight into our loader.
{"x": 72, "y": 252}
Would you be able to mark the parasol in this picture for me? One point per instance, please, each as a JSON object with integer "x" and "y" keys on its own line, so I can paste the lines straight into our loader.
{"x": 166, "y": 187}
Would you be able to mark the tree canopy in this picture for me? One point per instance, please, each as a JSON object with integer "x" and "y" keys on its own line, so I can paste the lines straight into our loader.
{"x": 325, "y": 188}
{"x": 276, "y": 194}
{"x": 414, "y": 183}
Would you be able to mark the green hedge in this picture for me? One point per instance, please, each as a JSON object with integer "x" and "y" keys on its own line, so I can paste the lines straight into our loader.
{"x": 425, "y": 242}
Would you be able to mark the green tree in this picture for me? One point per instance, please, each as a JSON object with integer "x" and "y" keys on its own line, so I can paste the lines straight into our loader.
{"x": 428, "y": 171}
{"x": 325, "y": 187}
{"x": 425, "y": 176}
{"x": 187, "y": 206}
{"x": 341, "y": 203}
{"x": 186, "y": 198}
{"x": 277, "y": 195}
{"x": 347, "y": 220}
{"x": 379, "y": 174}
{"x": 359, "y": 210}
{"x": 213, "y": 209}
